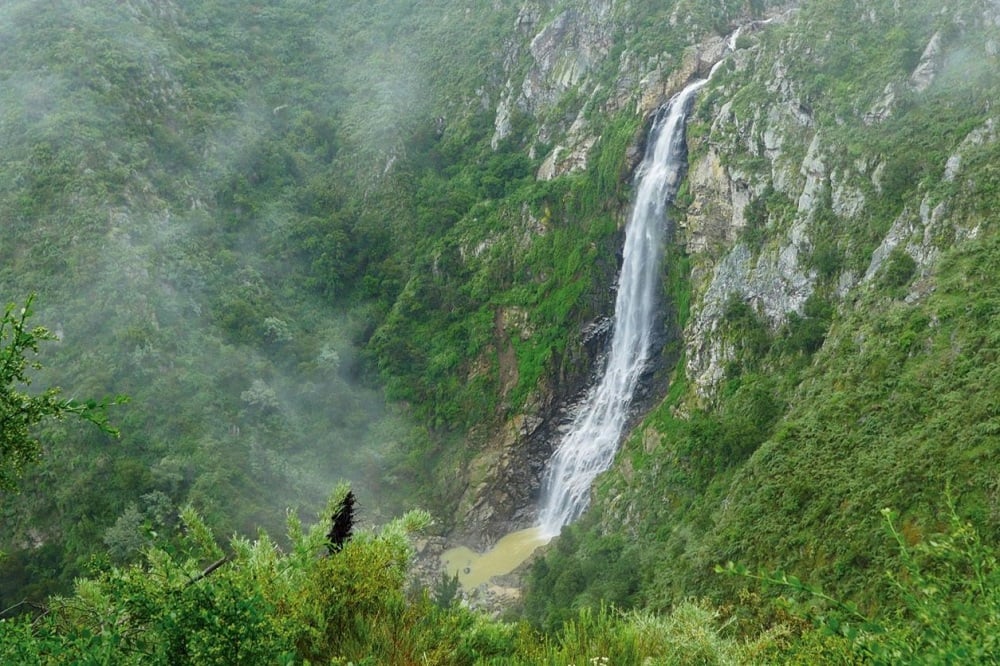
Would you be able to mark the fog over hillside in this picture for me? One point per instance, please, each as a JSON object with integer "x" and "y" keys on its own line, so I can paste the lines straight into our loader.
{"x": 380, "y": 244}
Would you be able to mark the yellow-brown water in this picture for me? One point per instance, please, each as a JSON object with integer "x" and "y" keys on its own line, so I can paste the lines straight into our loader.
{"x": 476, "y": 568}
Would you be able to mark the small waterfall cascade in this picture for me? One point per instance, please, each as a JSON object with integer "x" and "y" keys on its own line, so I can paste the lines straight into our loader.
{"x": 588, "y": 447}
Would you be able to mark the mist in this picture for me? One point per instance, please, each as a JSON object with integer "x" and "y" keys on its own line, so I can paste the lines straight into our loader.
{"x": 156, "y": 165}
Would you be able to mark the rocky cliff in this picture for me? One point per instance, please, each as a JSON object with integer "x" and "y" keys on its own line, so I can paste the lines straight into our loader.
{"x": 835, "y": 158}
{"x": 570, "y": 69}
{"x": 318, "y": 208}
{"x": 837, "y": 212}
{"x": 779, "y": 146}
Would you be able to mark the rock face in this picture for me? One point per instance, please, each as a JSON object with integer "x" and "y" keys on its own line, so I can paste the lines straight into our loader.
{"x": 556, "y": 76}
{"x": 771, "y": 195}
{"x": 505, "y": 479}
{"x": 553, "y": 74}
{"x": 775, "y": 149}
{"x": 562, "y": 54}
{"x": 923, "y": 76}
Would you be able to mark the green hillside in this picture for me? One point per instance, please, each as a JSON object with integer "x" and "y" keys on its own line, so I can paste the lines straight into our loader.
{"x": 883, "y": 396}
{"x": 370, "y": 242}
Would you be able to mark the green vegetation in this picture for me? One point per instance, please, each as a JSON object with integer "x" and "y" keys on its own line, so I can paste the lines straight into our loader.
{"x": 256, "y": 603}
{"x": 226, "y": 212}
{"x": 880, "y": 396}
{"x": 284, "y": 231}
{"x": 946, "y": 585}
{"x": 21, "y": 412}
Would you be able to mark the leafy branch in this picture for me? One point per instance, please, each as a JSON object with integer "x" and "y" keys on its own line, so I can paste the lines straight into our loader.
{"x": 21, "y": 411}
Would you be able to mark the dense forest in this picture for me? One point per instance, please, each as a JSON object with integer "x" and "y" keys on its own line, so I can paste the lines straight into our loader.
{"x": 262, "y": 259}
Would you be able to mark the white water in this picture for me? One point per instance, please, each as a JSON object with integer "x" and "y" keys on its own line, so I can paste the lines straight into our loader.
{"x": 589, "y": 446}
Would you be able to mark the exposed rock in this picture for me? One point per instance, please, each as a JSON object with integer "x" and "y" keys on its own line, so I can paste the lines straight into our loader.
{"x": 877, "y": 173}
{"x": 847, "y": 200}
{"x": 653, "y": 88}
{"x": 977, "y": 137}
{"x": 739, "y": 195}
{"x": 930, "y": 62}
{"x": 773, "y": 282}
{"x": 915, "y": 233}
{"x": 493, "y": 599}
{"x": 660, "y": 81}
{"x": 952, "y": 166}
{"x": 785, "y": 121}
{"x": 548, "y": 169}
{"x": 882, "y": 109}
{"x": 563, "y": 53}
{"x": 815, "y": 173}
{"x": 775, "y": 286}
{"x": 505, "y": 479}
{"x": 425, "y": 570}
{"x": 778, "y": 285}
{"x": 925, "y": 233}
{"x": 773, "y": 138}
{"x": 571, "y": 157}
{"x": 502, "y": 124}
{"x": 706, "y": 352}
{"x": 709, "y": 219}
{"x": 847, "y": 281}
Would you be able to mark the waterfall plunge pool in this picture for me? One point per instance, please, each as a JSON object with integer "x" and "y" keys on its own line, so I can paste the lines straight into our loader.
{"x": 589, "y": 447}
{"x": 511, "y": 551}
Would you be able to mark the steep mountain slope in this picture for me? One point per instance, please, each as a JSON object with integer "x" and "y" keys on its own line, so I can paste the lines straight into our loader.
{"x": 183, "y": 185}
{"x": 840, "y": 351}
{"x": 256, "y": 219}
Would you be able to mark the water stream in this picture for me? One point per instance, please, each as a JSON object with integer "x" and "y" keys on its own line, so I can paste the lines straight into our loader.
{"x": 589, "y": 446}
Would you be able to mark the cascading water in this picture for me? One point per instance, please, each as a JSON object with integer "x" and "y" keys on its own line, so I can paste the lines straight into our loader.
{"x": 589, "y": 446}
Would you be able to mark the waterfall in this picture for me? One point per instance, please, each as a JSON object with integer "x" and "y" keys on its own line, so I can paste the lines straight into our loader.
{"x": 589, "y": 446}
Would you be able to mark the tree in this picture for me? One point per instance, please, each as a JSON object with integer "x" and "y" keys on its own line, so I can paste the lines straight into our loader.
{"x": 251, "y": 603}
{"x": 21, "y": 411}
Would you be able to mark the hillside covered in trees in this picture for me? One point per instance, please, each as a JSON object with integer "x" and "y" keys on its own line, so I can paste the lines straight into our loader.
{"x": 281, "y": 246}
